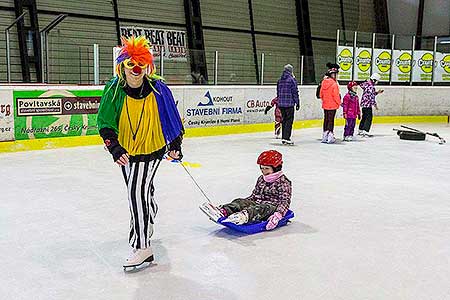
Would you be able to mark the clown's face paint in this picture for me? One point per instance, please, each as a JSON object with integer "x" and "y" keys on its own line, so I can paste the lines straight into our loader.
{"x": 134, "y": 76}
{"x": 134, "y": 72}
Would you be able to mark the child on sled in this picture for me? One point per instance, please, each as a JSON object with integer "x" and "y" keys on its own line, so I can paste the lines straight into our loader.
{"x": 269, "y": 200}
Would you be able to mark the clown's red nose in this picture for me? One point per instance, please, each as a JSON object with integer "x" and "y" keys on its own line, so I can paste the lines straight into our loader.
{"x": 137, "y": 70}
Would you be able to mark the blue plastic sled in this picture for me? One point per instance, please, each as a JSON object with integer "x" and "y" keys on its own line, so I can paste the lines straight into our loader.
{"x": 256, "y": 227}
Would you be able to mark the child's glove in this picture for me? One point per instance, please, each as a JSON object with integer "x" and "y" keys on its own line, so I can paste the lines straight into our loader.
{"x": 297, "y": 107}
{"x": 359, "y": 117}
{"x": 267, "y": 109}
{"x": 273, "y": 220}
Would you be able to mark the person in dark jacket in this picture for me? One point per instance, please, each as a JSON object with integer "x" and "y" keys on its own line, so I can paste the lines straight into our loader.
{"x": 287, "y": 94}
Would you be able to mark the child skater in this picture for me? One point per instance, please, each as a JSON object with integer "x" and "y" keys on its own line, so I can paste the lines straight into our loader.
{"x": 331, "y": 101}
{"x": 367, "y": 101}
{"x": 351, "y": 110}
{"x": 278, "y": 117}
{"x": 269, "y": 200}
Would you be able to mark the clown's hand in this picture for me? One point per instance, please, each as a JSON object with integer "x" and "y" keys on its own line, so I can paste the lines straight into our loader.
{"x": 273, "y": 220}
{"x": 176, "y": 154}
{"x": 119, "y": 154}
{"x": 175, "y": 148}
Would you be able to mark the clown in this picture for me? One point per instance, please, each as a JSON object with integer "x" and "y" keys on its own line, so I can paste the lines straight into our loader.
{"x": 139, "y": 123}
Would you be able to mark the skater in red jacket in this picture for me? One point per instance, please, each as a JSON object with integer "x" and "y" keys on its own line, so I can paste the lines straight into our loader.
{"x": 331, "y": 101}
{"x": 278, "y": 116}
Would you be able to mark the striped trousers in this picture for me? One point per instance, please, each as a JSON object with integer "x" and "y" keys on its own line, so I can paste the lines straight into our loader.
{"x": 139, "y": 177}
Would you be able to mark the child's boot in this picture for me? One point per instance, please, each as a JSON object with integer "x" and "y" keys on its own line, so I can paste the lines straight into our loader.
{"x": 238, "y": 218}
{"x": 213, "y": 212}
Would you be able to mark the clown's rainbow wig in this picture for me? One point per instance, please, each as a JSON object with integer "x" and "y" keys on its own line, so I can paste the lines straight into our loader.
{"x": 137, "y": 49}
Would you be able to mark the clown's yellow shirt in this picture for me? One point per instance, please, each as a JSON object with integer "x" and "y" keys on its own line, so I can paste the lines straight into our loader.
{"x": 147, "y": 129}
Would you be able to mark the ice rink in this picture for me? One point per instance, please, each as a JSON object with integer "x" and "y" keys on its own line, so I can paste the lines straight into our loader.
{"x": 372, "y": 222}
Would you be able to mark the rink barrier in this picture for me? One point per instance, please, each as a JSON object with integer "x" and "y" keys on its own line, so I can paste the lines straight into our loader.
{"x": 91, "y": 140}
{"x": 303, "y": 124}
{"x": 38, "y": 116}
{"x": 50, "y": 143}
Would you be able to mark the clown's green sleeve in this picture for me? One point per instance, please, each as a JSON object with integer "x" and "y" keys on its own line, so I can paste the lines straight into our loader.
{"x": 110, "y": 106}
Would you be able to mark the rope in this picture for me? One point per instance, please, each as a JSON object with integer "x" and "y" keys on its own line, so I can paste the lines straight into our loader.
{"x": 200, "y": 189}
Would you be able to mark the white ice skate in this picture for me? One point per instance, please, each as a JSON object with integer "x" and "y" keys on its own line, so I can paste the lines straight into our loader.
{"x": 287, "y": 142}
{"x": 211, "y": 211}
{"x": 349, "y": 138}
{"x": 345, "y": 139}
{"x": 367, "y": 134}
{"x": 238, "y": 218}
{"x": 325, "y": 136}
{"x": 361, "y": 132}
{"x": 331, "y": 139}
{"x": 137, "y": 258}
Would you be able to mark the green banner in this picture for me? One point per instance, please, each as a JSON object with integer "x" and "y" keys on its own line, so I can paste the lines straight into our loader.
{"x": 55, "y": 113}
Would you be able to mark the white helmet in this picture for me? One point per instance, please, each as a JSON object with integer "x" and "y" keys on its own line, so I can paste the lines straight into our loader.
{"x": 375, "y": 77}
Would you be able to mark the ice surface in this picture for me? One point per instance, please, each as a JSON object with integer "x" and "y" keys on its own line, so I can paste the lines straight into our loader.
{"x": 372, "y": 222}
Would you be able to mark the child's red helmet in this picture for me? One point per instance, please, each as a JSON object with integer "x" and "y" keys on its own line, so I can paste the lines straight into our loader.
{"x": 270, "y": 158}
{"x": 351, "y": 84}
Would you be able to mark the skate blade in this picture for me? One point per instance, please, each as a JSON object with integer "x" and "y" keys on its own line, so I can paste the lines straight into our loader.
{"x": 138, "y": 267}
{"x": 208, "y": 215}
{"x": 213, "y": 217}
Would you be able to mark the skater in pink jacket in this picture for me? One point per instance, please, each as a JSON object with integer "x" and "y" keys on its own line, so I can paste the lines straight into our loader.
{"x": 351, "y": 110}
